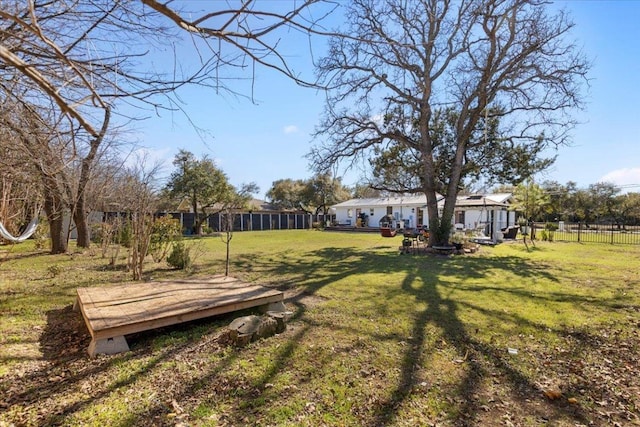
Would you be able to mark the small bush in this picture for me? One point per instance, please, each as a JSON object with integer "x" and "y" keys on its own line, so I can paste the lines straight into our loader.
{"x": 125, "y": 237}
{"x": 97, "y": 233}
{"x": 41, "y": 235}
{"x": 549, "y": 231}
{"x": 180, "y": 257}
{"x": 164, "y": 231}
{"x": 54, "y": 270}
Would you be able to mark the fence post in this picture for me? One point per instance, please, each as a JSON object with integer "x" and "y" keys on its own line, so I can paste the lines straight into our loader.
{"x": 579, "y": 230}
{"x": 612, "y": 233}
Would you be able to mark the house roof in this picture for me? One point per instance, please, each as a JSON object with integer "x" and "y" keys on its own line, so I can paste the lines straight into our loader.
{"x": 500, "y": 197}
{"x": 410, "y": 200}
{"x": 261, "y": 205}
{"x": 479, "y": 201}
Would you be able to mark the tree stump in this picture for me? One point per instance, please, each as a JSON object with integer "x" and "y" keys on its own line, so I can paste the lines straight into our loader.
{"x": 246, "y": 329}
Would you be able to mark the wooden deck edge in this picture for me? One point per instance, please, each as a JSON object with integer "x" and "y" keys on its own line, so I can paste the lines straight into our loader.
{"x": 78, "y": 306}
{"x": 185, "y": 317}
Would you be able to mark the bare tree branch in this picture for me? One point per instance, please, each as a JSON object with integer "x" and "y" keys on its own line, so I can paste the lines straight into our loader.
{"x": 401, "y": 63}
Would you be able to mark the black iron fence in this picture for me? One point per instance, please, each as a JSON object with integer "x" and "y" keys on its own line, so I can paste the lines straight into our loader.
{"x": 611, "y": 233}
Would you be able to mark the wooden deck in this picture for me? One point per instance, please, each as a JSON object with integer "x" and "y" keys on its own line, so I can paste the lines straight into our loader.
{"x": 110, "y": 313}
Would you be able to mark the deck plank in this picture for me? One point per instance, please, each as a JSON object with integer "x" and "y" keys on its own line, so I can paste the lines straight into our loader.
{"x": 125, "y": 309}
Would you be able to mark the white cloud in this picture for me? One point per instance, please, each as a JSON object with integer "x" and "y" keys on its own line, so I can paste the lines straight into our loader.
{"x": 289, "y": 129}
{"x": 625, "y": 177}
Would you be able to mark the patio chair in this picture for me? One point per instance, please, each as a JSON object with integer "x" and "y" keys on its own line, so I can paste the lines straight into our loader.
{"x": 510, "y": 233}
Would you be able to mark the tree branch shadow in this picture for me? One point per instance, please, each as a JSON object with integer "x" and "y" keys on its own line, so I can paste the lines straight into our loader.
{"x": 306, "y": 275}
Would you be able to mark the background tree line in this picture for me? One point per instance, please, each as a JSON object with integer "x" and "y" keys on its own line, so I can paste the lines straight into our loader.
{"x": 551, "y": 201}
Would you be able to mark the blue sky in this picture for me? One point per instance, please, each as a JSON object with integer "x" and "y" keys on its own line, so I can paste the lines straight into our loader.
{"x": 266, "y": 140}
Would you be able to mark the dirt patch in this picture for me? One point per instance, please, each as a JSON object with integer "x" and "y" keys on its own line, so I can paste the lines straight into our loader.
{"x": 65, "y": 335}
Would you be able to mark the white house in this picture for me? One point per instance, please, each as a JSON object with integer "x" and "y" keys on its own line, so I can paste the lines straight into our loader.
{"x": 405, "y": 211}
{"x": 473, "y": 210}
{"x": 489, "y": 211}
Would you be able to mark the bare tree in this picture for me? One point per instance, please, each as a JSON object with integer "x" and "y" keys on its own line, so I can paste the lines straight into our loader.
{"x": 35, "y": 140}
{"x": 403, "y": 61}
{"x": 76, "y": 60}
{"x": 139, "y": 195}
{"x": 236, "y": 200}
{"x": 251, "y": 33}
{"x": 54, "y": 65}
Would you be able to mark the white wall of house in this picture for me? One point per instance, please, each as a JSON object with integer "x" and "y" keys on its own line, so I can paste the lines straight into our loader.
{"x": 349, "y": 215}
{"x": 474, "y": 218}
{"x": 407, "y": 209}
{"x": 409, "y": 214}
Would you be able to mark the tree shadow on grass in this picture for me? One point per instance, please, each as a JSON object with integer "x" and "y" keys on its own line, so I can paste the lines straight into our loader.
{"x": 443, "y": 313}
{"x": 481, "y": 360}
{"x": 68, "y": 381}
{"x": 428, "y": 280}
{"x": 67, "y": 368}
{"x": 327, "y": 266}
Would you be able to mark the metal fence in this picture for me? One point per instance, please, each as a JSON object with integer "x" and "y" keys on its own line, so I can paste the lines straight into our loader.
{"x": 253, "y": 221}
{"x": 591, "y": 233}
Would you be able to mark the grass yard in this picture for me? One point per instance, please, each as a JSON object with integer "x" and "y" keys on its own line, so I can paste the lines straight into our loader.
{"x": 506, "y": 336}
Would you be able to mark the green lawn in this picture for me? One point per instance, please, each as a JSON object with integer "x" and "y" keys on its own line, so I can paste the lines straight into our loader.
{"x": 507, "y": 336}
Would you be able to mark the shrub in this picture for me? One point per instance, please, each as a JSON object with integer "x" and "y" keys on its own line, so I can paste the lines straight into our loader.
{"x": 180, "y": 257}
{"x": 164, "y": 231}
{"x": 125, "y": 237}
{"x": 54, "y": 270}
{"x": 41, "y": 235}
{"x": 97, "y": 233}
{"x": 550, "y": 228}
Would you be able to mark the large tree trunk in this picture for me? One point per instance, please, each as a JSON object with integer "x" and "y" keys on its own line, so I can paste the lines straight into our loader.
{"x": 79, "y": 212}
{"x": 53, "y": 210}
{"x": 196, "y": 214}
{"x": 434, "y": 220}
{"x": 82, "y": 225}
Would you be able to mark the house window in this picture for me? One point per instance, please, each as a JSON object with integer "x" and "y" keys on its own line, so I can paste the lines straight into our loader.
{"x": 459, "y": 217}
{"x": 350, "y": 213}
{"x": 389, "y": 210}
{"x": 371, "y": 212}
